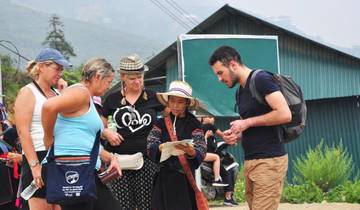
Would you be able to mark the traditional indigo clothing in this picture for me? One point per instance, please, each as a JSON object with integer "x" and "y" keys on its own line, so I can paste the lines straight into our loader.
{"x": 172, "y": 190}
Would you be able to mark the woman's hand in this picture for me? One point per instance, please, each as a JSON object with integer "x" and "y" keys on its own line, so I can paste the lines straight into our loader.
{"x": 48, "y": 141}
{"x": 187, "y": 148}
{"x": 208, "y": 134}
{"x": 15, "y": 158}
{"x": 161, "y": 147}
{"x": 61, "y": 84}
{"x": 114, "y": 138}
{"x": 36, "y": 173}
{"x": 114, "y": 163}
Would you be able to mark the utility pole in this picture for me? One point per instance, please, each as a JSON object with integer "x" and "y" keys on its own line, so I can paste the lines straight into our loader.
{"x": 1, "y": 90}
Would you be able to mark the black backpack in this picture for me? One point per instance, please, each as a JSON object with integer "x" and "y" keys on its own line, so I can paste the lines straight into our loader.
{"x": 295, "y": 99}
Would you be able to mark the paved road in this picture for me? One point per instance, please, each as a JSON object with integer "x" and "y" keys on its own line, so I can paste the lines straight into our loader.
{"x": 312, "y": 206}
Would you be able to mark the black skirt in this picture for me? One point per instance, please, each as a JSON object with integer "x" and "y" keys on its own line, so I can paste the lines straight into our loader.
{"x": 27, "y": 178}
{"x": 172, "y": 191}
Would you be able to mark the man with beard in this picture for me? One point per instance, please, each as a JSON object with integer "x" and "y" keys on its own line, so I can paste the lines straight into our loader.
{"x": 259, "y": 127}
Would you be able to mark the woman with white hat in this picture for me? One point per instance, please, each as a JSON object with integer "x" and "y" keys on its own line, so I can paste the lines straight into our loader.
{"x": 134, "y": 110}
{"x": 173, "y": 188}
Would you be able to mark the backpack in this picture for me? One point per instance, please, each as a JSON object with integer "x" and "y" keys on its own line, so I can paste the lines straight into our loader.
{"x": 295, "y": 99}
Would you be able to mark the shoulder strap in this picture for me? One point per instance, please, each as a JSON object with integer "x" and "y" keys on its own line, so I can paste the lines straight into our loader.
{"x": 182, "y": 158}
{"x": 41, "y": 91}
{"x": 253, "y": 90}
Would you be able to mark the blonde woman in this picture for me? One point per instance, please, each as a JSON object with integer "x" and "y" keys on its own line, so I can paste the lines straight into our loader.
{"x": 46, "y": 71}
{"x": 134, "y": 110}
{"x": 71, "y": 123}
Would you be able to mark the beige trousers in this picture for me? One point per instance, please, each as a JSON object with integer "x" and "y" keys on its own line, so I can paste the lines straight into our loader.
{"x": 264, "y": 179}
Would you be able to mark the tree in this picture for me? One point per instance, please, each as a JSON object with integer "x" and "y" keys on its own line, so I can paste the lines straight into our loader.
{"x": 11, "y": 81}
{"x": 73, "y": 76}
{"x": 56, "y": 38}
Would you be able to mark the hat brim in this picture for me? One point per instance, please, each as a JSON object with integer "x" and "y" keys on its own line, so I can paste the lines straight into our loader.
{"x": 63, "y": 63}
{"x": 164, "y": 98}
{"x": 135, "y": 71}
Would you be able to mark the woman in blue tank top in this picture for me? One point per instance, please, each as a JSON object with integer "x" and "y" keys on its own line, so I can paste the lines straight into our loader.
{"x": 71, "y": 122}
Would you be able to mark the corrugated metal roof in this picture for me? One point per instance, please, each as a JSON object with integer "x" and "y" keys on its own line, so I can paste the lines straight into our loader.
{"x": 224, "y": 11}
{"x": 322, "y": 72}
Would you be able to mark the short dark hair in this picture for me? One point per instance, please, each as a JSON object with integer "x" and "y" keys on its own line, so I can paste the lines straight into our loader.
{"x": 225, "y": 54}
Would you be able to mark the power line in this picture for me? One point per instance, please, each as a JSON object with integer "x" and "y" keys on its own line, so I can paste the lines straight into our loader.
{"x": 171, "y": 14}
{"x": 182, "y": 11}
{"x": 15, "y": 52}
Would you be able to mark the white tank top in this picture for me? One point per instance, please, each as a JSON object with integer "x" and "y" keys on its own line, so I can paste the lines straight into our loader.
{"x": 36, "y": 129}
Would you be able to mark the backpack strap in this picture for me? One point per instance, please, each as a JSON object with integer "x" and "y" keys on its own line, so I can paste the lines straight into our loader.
{"x": 253, "y": 90}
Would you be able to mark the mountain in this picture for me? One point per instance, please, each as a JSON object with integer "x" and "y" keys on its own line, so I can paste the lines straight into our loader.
{"x": 113, "y": 28}
{"x": 27, "y": 28}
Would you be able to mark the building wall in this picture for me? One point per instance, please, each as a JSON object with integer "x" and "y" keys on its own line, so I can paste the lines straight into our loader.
{"x": 171, "y": 70}
{"x": 321, "y": 72}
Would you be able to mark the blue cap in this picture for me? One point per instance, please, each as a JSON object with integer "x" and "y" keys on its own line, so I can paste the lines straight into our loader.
{"x": 50, "y": 54}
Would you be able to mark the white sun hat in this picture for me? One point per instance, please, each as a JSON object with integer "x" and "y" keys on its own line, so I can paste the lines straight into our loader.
{"x": 179, "y": 89}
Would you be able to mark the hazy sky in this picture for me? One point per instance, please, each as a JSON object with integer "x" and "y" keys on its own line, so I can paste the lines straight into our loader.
{"x": 334, "y": 21}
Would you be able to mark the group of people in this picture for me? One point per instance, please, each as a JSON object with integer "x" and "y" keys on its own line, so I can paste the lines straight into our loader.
{"x": 66, "y": 119}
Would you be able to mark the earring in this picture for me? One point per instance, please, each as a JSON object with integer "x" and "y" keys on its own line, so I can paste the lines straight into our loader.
{"x": 123, "y": 100}
{"x": 145, "y": 96}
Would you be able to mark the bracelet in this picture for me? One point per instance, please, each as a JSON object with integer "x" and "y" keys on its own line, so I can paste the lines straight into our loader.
{"x": 33, "y": 163}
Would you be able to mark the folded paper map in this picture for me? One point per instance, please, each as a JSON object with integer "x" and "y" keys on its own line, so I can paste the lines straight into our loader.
{"x": 169, "y": 149}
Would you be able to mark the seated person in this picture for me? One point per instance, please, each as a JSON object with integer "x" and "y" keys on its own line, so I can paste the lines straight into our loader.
{"x": 210, "y": 130}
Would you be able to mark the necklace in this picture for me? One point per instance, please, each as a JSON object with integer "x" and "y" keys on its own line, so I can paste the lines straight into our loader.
{"x": 41, "y": 91}
{"x": 131, "y": 109}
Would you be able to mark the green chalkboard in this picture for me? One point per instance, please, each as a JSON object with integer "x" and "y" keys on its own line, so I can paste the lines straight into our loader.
{"x": 257, "y": 52}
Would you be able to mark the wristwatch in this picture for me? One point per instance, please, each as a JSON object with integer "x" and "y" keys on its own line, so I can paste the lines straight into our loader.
{"x": 33, "y": 163}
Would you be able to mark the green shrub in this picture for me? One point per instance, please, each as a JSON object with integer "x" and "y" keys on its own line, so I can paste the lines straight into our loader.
{"x": 335, "y": 194}
{"x": 352, "y": 192}
{"x": 325, "y": 166}
{"x": 239, "y": 191}
{"x": 308, "y": 192}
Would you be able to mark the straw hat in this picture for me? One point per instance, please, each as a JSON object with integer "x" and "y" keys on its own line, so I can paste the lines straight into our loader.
{"x": 180, "y": 89}
{"x": 132, "y": 64}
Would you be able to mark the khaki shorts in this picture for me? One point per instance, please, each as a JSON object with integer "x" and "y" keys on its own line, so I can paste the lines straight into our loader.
{"x": 264, "y": 180}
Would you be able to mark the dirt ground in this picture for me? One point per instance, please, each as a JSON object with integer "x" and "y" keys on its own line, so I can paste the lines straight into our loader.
{"x": 312, "y": 206}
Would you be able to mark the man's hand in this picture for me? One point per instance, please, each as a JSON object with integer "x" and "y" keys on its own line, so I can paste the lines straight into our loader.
{"x": 231, "y": 137}
{"x": 238, "y": 126}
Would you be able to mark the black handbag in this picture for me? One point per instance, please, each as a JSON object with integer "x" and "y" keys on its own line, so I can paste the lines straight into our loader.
{"x": 71, "y": 179}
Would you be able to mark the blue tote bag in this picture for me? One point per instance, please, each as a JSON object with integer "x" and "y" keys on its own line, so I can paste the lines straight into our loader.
{"x": 71, "y": 179}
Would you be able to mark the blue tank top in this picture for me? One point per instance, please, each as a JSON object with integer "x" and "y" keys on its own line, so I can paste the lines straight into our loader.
{"x": 76, "y": 135}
